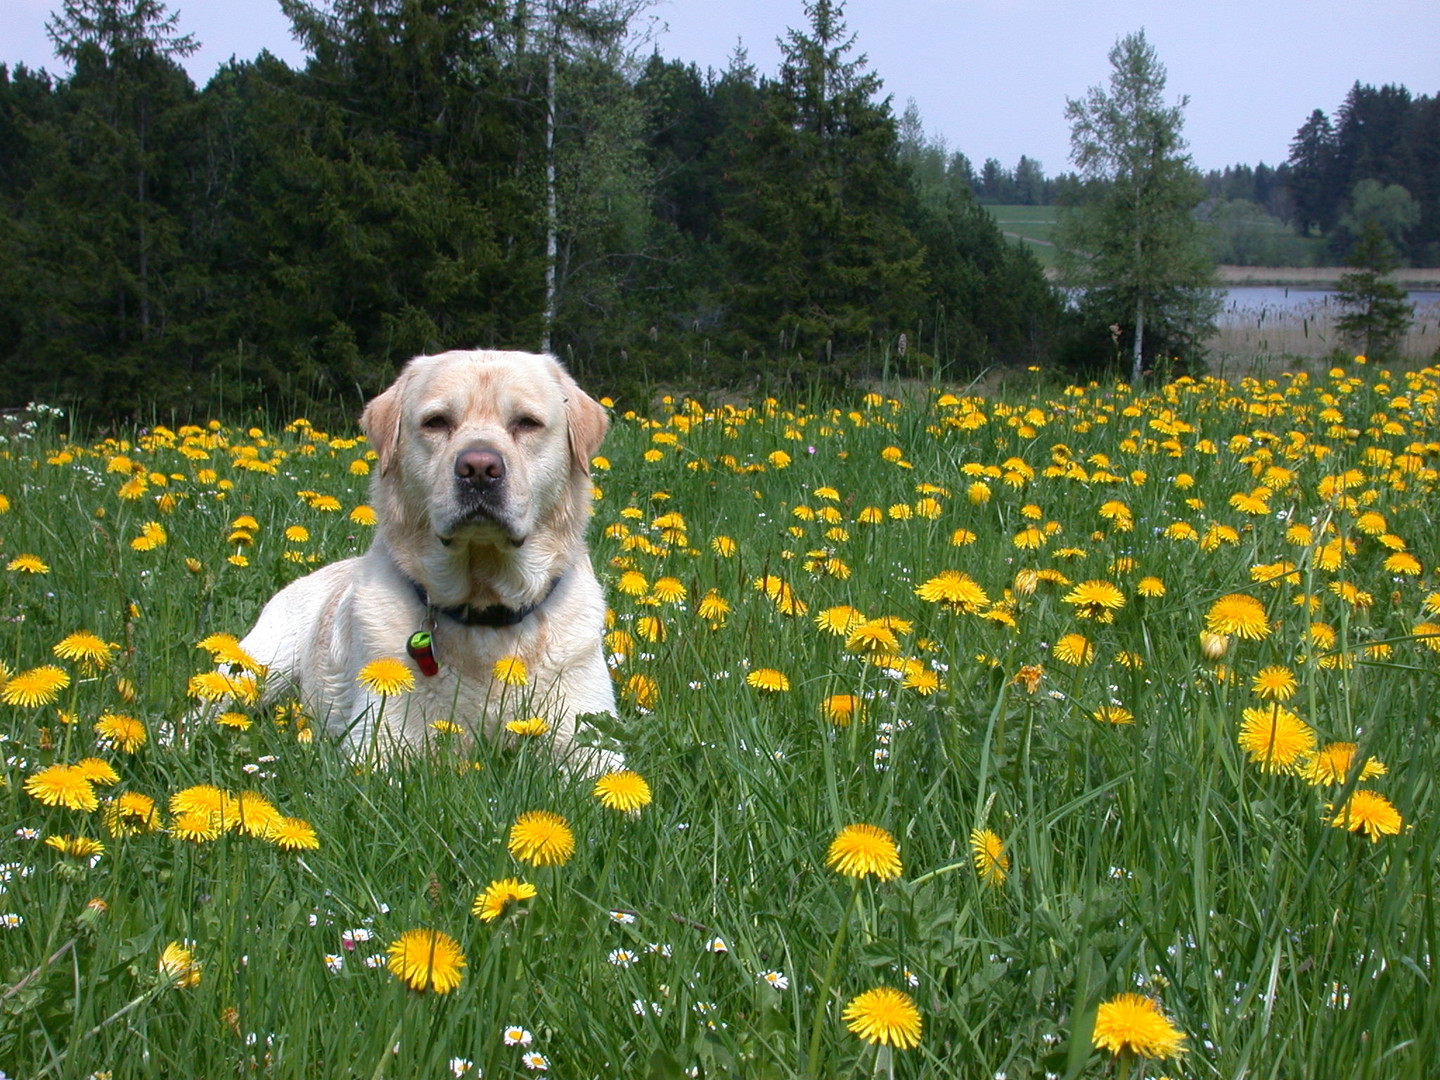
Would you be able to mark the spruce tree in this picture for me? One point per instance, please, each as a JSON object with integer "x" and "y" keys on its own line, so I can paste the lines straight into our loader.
{"x": 820, "y": 256}
{"x": 1377, "y": 311}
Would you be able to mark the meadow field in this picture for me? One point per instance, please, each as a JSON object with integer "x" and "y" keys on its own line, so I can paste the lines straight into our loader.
{"x": 1083, "y": 732}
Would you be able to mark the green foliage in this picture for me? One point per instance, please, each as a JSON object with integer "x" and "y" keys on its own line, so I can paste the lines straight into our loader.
{"x": 1377, "y": 311}
{"x": 1239, "y": 232}
{"x": 820, "y": 255}
{"x": 288, "y": 238}
{"x": 1382, "y": 137}
{"x": 1132, "y": 244}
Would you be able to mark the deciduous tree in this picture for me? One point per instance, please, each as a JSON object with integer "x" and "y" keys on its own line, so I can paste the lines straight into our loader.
{"x": 1132, "y": 245}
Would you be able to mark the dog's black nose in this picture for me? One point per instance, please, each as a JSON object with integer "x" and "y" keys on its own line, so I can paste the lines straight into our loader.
{"x": 480, "y": 466}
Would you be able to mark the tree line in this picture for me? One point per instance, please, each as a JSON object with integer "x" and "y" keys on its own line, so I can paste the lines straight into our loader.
{"x": 1377, "y": 160}
{"x": 496, "y": 173}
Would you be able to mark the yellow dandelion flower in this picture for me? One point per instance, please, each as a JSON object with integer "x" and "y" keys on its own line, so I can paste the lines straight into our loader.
{"x": 255, "y": 815}
{"x": 921, "y": 679}
{"x": 886, "y": 1016}
{"x": 510, "y": 670}
{"x": 62, "y": 785}
{"x": 236, "y": 721}
{"x": 386, "y": 676}
{"x": 77, "y": 847}
{"x": 651, "y": 628}
{"x": 1114, "y": 714}
{"x": 874, "y": 636}
{"x": 781, "y": 595}
{"x": 498, "y": 896}
{"x": 842, "y": 709}
{"x": 1150, "y": 586}
{"x": 723, "y": 546}
{"x": 988, "y": 853}
{"x": 427, "y": 960}
{"x": 642, "y": 690}
{"x": 125, "y": 733}
{"x": 1029, "y": 677}
{"x": 292, "y": 834}
{"x": 541, "y": 838}
{"x": 713, "y": 608}
{"x": 861, "y": 850}
{"x": 768, "y": 680}
{"x": 196, "y": 827}
{"x": 28, "y": 564}
{"x": 297, "y": 534}
{"x": 1404, "y": 564}
{"x": 88, "y": 650}
{"x": 1274, "y": 683}
{"x": 838, "y": 620}
{"x": 131, "y": 813}
{"x": 178, "y": 966}
{"x": 363, "y": 515}
{"x": 1276, "y": 739}
{"x": 1427, "y": 633}
{"x": 1238, "y": 615}
{"x": 152, "y": 536}
{"x": 1132, "y": 1023}
{"x": 1074, "y": 649}
{"x": 1097, "y": 600}
{"x": 624, "y": 790}
{"x": 669, "y": 590}
{"x": 1331, "y": 765}
{"x": 533, "y": 726}
{"x": 632, "y": 583}
{"x": 97, "y": 771}
{"x": 35, "y": 687}
{"x": 955, "y": 591}
{"x": 1368, "y": 812}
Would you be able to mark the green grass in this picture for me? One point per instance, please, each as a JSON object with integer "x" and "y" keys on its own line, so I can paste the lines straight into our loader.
{"x": 1032, "y": 224}
{"x": 1152, "y": 856}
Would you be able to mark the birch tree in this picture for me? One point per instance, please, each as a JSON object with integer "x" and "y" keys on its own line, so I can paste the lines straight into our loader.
{"x": 1132, "y": 246}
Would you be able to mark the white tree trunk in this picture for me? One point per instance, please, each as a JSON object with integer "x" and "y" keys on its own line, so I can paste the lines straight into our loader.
{"x": 551, "y": 225}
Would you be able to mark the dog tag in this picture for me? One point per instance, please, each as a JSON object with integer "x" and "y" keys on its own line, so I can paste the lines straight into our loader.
{"x": 421, "y": 651}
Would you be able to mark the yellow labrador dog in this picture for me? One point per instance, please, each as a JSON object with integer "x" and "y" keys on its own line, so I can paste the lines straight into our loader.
{"x": 483, "y": 493}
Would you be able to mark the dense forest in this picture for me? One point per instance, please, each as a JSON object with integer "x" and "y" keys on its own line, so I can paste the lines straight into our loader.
{"x": 1377, "y": 160}
{"x": 293, "y": 236}
{"x": 448, "y": 173}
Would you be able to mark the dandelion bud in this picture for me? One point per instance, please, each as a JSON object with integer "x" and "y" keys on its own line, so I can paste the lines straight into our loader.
{"x": 1214, "y": 646}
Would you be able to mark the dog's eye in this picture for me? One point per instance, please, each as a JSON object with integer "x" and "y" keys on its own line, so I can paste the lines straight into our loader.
{"x": 437, "y": 422}
{"x": 523, "y": 424}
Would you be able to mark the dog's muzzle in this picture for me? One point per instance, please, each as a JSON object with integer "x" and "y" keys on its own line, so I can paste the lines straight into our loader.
{"x": 480, "y": 492}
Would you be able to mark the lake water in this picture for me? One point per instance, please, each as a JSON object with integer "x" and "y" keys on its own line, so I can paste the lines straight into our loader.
{"x": 1283, "y": 298}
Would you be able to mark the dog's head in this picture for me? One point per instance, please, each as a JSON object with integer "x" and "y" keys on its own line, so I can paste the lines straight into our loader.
{"x": 487, "y": 449}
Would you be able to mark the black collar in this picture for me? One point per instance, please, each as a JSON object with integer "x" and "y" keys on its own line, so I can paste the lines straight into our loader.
{"x": 496, "y": 615}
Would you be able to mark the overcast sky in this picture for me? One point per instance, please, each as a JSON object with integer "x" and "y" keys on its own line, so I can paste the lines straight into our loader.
{"x": 992, "y": 76}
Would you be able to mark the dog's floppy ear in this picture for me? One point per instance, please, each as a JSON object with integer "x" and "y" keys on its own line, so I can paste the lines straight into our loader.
{"x": 381, "y": 423}
{"x": 587, "y": 420}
